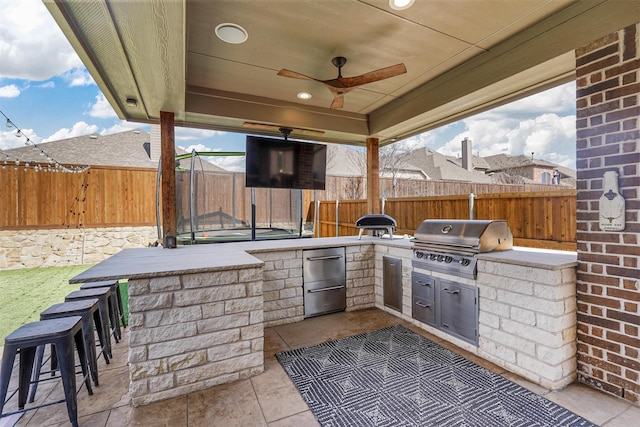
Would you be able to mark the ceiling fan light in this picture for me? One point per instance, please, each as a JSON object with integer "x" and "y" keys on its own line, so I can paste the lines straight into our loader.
{"x": 400, "y": 4}
{"x": 304, "y": 95}
{"x": 231, "y": 33}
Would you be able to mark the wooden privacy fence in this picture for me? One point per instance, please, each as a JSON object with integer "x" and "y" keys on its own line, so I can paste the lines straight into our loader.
{"x": 538, "y": 219}
{"x": 99, "y": 197}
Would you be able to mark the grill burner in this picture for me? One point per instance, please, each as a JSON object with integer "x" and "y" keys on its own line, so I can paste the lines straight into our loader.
{"x": 451, "y": 246}
{"x": 377, "y": 223}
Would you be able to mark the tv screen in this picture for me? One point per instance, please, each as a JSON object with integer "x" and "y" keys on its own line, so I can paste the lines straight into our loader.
{"x": 278, "y": 163}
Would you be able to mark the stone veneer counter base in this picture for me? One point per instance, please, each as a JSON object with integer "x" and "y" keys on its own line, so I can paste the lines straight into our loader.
{"x": 197, "y": 313}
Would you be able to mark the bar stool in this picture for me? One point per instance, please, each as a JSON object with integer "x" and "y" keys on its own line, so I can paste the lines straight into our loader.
{"x": 88, "y": 311}
{"x": 102, "y": 295}
{"x": 62, "y": 333}
{"x": 115, "y": 291}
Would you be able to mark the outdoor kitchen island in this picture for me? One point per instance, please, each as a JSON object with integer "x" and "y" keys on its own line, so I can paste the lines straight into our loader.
{"x": 197, "y": 313}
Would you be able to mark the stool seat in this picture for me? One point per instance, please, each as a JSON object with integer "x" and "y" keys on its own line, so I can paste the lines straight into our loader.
{"x": 115, "y": 291}
{"x": 103, "y": 295}
{"x": 62, "y": 332}
{"x": 88, "y": 310}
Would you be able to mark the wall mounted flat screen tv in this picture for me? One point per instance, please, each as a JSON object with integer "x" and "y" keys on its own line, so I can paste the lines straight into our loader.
{"x": 279, "y": 163}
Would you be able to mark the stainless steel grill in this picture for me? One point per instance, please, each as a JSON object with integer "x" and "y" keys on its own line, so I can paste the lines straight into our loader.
{"x": 451, "y": 246}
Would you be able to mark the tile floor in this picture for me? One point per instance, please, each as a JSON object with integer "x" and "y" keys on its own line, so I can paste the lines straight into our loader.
{"x": 270, "y": 399}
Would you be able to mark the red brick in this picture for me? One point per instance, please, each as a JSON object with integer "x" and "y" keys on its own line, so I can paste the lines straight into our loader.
{"x": 629, "y": 78}
{"x": 630, "y": 284}
{"x": 596, "y": 57}
{"x": 620, "y": 92}
{"x": 623, "y": 294}
{"x": 623, "y": 339}
{"x": 601, "y": 364}
{"x": 631, "y": 330}
{"x": 623, "y": 272}
{"x": 629, "y": 48}
{"x": 622, "y": 249}
{"x": 596, "y": 323}
{"x": 599, "y": 109}
{"x": 611, "y": 38}
{"x": 631, "y": 352}
{"x": 630, "y": 124}
{"x": 625, "y": 113}
{"x": 631, "y": 375}
{"x": 623, "y": 383}
{"x": 623, "y": 68}
{"x": 594, "y": 78}
{"x": 630, "y": 262}
{"x": 629, "y": 101}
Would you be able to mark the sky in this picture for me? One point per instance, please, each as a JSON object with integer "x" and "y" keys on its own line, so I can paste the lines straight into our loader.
{"x": 46, "y": 91}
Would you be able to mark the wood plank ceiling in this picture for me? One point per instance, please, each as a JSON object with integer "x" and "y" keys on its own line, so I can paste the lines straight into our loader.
{"x": 462, "y": 57}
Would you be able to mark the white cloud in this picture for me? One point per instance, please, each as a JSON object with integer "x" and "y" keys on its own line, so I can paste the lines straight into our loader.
{"x": 183, "y": 134}
{"x": 78, "y": 129}
{"x": 230, "y": 163}
{"x": 10, "y": 139}
{"x": 78, "y": 77}
{"x": 32, "y": 46}
{"x": 101, "y": 108}
{"x": 9, "y": 91}
{"x": 123, "y": 126}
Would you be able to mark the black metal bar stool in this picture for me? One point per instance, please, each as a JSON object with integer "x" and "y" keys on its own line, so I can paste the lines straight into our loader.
{"x": 103, "y": 295}
{"x": 62, "y": 332}
{"x": 88, "y": 311}
{"x": 115, "y": 292}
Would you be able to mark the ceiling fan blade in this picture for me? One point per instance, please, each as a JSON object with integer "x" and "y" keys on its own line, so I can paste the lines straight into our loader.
{"x": 374, "y": 76}
{"x": 338, "y": 102}
{"x": 294, "y": 74}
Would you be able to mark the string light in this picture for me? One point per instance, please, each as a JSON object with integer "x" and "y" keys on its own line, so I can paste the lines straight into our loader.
{"x": 53, "y": 165}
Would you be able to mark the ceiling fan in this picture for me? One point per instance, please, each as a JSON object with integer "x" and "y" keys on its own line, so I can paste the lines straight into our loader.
{"x": 341, "y": 85}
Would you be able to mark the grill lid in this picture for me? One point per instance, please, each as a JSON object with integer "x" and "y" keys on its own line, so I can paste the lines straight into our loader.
{"x": 473, "y": 235}
{"x": 376, "y": 220}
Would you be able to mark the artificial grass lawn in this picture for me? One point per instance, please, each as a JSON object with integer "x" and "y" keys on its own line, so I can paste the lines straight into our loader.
{"x": 24, "y": 293}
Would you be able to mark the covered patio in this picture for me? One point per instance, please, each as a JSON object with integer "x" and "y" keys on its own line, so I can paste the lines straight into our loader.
{"x": 162, "y": 63}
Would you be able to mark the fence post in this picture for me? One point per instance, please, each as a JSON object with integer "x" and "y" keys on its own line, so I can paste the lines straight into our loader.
{"x": 471, "y": 202}
{"x": 337, "y": 218}
{"x": 384, "y": 200}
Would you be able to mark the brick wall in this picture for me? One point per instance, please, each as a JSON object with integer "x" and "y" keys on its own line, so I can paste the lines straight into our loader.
{"x": 608, "y": 276}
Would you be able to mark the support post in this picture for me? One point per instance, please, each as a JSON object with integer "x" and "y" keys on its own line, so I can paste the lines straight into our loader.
{"x": 167, "y": 155}
{"x": 373, "y": 176}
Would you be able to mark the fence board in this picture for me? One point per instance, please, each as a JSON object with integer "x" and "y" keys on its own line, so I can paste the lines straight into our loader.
{"x": 537, "y": 219}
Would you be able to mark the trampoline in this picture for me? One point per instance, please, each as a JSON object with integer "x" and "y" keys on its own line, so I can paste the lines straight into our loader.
{"x": 214, "y": 206}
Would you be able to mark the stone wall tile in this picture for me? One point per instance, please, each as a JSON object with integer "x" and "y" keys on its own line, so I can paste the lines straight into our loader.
{"x": 223, "y": 322}
{"x": 172, "y": 316}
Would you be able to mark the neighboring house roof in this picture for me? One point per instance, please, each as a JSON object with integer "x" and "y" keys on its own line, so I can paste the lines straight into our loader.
{"x": 440, "y": 167}
{"x": 128, "y": 149}
{"x": 500, "y": 162}
{"x": 479, "y": 163}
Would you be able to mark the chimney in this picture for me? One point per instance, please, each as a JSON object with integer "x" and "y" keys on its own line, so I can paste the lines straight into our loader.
{"x": 154, "y": 143}
{"x": 467, "y": 156}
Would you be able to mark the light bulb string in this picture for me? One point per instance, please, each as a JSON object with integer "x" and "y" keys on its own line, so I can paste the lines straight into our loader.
{"x": 15, "y": 161}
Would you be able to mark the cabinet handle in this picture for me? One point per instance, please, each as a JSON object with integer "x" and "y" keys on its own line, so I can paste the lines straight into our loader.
{"x": 423, "y": 305}
{"x": 320, "y": 258}
{"x": 332, "y": 288}
{"x": 455, "y": 291}
{"x": 423, "y": 283}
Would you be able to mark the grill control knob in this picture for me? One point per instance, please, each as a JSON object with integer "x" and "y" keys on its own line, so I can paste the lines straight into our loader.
{"x": 440, "y": 258}
{"x": 464, "y": 261}
{"x": 433, "y": 257}
{"x": 448, "y": 259}
{"x": 419, "y": 254}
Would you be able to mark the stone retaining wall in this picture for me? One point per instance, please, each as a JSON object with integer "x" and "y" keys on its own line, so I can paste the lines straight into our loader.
{"x": 61, "y": 247}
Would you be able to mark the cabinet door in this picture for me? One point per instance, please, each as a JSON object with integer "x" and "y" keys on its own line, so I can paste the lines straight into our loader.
{"x": 424, "y": 310}
{"x": 458, "y": 314}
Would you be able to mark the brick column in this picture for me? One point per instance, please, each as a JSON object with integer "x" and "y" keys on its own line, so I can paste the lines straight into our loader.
{"x": 608, "y": 277}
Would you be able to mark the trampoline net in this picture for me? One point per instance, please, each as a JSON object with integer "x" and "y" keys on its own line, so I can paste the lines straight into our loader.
{"x": 214, "y": 206}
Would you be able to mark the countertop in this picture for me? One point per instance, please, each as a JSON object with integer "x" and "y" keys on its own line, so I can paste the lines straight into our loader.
{"x": 141, "y": 263}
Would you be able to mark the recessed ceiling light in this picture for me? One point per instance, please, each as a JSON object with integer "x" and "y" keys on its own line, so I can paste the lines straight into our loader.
{"x": 231, "y": 33}
{"x": 401, "y": 4}
{"x": 304, "y": 95}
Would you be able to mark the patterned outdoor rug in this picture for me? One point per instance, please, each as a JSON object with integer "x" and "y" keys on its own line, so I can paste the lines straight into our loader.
{"x": 396, "y": 377}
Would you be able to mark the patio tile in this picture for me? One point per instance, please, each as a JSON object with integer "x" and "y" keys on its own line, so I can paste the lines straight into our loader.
{"x": 592, "y": 404}
{"x": 226, "y": 405}
{"x": 628, "y": 418}
{"x": 281, "y": 402}
{"x": 305, "y": 419}
{"x": 171, "y": 412}
{"x": 273, "y": 377}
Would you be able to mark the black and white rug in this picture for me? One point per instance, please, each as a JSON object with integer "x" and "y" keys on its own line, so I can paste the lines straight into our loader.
{"x": 396, "y": 377}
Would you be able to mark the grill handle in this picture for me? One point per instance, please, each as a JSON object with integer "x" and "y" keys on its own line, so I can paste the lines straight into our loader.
{"x": 421, "y": 283}
{"x": 455, "y": 291}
